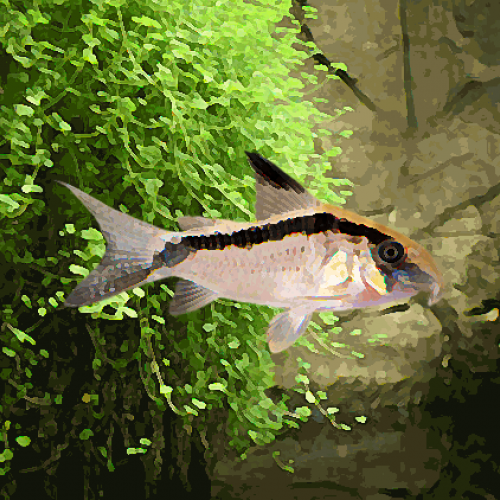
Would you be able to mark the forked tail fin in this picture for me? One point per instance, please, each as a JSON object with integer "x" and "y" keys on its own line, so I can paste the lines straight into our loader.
{"x": 132, "y": 255}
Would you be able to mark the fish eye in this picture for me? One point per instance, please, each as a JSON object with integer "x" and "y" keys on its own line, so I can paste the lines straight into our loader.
{"x": 391, "y": 252}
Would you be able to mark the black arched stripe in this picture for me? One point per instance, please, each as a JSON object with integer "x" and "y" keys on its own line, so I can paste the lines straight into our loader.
{"x": 307, "y": 225}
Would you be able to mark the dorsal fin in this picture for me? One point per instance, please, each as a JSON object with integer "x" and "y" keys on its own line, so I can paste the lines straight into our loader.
{"x": 277, "y": 192}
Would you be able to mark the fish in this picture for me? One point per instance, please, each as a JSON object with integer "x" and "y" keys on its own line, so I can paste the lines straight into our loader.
{"x": 300, "y": 254}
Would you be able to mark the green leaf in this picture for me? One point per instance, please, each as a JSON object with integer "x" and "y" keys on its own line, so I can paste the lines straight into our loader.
{"x": 31, "y": 188}
{"x": 82, "y": 271}
{"x": 38, "y": 17}
{"x": 303, "y": 411}
{"x": 21, "y": 336}
{"x": 190, "y": 410}
{"x": 166, "y": 389}
{"x": 37, "y": 97}
{"x": 199, "y": 103}
{"x": 4, "y": 198}
{"x": 131, "y": 313}
{"x": 217, "y": 386}
{"x": 135, "y": 451}
{"x": 234, "y": 344}
{"x": 346, "y": 133}
{"x": 26, "y": 300}
{"x": 91, "y": 234}
{"x": 328, "y": 318}
{"x": 23, "y": 110}
{"x": 6, "y": 455}
{"x": 310, "y": 397}
{"x": 303, "y": 364}
{"x": 200, "y": 404}
{"x": 152, "y": 154}
{"x": 86, "y": 434}
{"x": 152, "y": 185}
{"x": 90, "y": 40}
{"x": 23, "y": 441}
{"x": 301, "y": 379}
{"x": 146, "y": 21}
{"x": 252, "y": 434}
{"x": 89, "y": 56}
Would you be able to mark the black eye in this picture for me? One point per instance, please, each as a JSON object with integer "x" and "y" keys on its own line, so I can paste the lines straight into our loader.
{"x": 391, "y": 252}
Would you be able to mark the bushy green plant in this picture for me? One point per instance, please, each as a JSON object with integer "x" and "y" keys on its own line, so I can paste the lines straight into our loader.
{"x": 149, "y": 106}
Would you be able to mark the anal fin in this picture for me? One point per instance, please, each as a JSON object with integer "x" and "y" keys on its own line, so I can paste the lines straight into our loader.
{"x": 190, "y": 296}
{"x": 285, "y": 328}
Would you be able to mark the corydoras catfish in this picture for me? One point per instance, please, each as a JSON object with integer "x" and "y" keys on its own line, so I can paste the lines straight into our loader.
{"x": 300, "y": 254}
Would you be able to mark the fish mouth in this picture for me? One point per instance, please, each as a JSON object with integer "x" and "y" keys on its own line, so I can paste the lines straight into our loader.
{"x": 436, "y": 293}
{"x": 417, "y": 280}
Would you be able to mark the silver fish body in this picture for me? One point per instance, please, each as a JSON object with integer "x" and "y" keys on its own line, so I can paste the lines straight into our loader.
{"x": 301, "y": 255}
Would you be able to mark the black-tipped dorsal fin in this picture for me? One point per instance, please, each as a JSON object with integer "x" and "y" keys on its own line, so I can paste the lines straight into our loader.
{"x": 277, "y": 192}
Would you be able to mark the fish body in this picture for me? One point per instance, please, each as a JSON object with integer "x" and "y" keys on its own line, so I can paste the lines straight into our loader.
{"x": 300, "y": 254}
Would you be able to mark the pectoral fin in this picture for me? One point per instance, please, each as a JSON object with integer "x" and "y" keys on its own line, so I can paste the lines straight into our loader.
{"x": 286, "y": 328}
{"x": 190, "y": 296}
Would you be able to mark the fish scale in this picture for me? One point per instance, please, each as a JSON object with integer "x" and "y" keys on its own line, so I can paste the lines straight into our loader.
{"x": 271, "y": 273}
{"x": 300, "y": 254}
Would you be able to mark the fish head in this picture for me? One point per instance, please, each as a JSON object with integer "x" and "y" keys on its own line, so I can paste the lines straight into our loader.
{"x": 408, "y": 268}
{"x": 384, "y": 265}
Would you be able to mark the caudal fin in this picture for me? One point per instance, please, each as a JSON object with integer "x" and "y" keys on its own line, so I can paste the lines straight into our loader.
{"x": 131, "y": 258}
